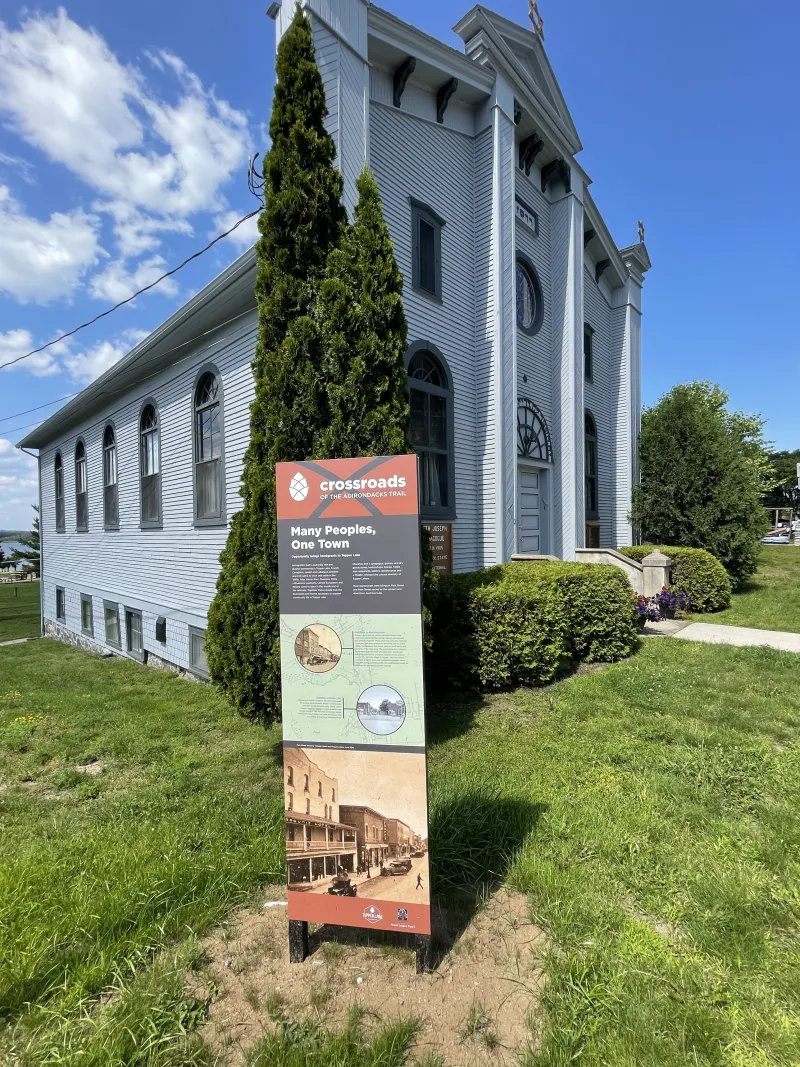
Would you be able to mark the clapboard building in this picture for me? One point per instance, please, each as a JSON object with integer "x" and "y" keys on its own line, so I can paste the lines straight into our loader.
{"x": 524, "y": 325}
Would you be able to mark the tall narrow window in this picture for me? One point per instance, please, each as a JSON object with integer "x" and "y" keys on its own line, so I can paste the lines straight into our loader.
{"x": 111, "y": 619}
{"x": 133, "y": 629}
{"x": 197, "y": 651}
{"x": 431, "y": 431}
{"x": 87, "y": 615}
{"x": 588, "y": 352}
{"x": 110, "y": 490}
{"x": 81, "y": 495}
{"x": 150, "y": 467}
{"x": 58, "y": 491}
{"x": 590, "y": 466}
{"x": 61, "y": 604}
{"x": 209, "y": 483}
{"x": 426, "y": 241}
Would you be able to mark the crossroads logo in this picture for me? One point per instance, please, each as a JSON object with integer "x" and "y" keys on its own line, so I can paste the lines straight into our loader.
{"x": 372, "y": 914}
{"x": 298, "y": 487}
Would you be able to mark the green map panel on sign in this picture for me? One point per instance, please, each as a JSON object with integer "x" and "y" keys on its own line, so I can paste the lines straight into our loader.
{"x": 353, "y": 679}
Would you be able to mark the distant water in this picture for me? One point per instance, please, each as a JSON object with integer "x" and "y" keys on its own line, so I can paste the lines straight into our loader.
{"x": 11, "y": 546}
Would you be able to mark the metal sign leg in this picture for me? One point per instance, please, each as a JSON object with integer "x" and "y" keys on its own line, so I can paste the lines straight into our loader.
{"x": 298, "y": 940}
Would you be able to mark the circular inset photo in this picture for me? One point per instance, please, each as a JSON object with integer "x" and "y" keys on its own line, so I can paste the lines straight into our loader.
{"x": 318, "y": 648}
{"x": 381, "y": 710}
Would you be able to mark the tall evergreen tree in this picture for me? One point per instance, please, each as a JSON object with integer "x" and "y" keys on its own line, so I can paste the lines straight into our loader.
{"x": 702, "y": 477}
{"x": 302, "y": 220}
{"x": 362, "y": 326}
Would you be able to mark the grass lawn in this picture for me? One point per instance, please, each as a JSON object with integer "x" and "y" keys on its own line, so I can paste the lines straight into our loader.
{"x": 771, "y": 599}
{"x": 19, "y": 610}
{"x": 650, "y": 811}
{"x": 107, "y": 871}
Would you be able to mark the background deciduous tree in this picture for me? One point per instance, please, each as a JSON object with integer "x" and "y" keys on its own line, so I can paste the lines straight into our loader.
{"x": 703, "y": 474}
{"x": 31, "y": 550}
{"x": 783, "y": 493}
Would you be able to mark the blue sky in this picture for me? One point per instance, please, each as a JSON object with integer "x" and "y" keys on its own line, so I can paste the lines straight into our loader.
{"x": 125, "y": 131}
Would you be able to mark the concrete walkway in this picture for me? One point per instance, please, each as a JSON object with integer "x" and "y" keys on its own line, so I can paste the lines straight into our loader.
{"x": 715, "y": 634}
{"x": 16, "y": 641}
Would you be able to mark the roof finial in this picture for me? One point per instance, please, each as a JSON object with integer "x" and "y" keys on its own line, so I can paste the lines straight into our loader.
{"x": 537, "y": 22}
{"x": 641, "y": 232}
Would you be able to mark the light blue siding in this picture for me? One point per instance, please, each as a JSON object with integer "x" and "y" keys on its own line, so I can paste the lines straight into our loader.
{"x": 170, "y": 571}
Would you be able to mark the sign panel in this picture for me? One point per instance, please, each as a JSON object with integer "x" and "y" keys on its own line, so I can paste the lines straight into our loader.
{"x": 440, "y": 538}
{"x": 355, "y": 774}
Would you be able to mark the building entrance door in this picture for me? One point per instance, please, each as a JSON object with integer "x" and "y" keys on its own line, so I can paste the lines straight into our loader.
{"x": 533, "y": 511}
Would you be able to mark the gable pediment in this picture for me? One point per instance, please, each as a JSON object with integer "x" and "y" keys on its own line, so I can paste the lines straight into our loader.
{"x": 527, "y": 52}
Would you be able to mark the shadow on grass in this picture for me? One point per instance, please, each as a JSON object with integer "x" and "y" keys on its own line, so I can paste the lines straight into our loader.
{"x": 749, "y": 587}
{"x": 475, "y": 835}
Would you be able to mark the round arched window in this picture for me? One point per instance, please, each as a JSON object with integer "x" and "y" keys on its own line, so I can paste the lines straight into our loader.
{"x": 530, "y": 307}
{"x": 431, "y": 429}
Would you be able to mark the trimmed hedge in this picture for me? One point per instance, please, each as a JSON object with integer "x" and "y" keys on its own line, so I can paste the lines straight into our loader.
{"x": 526, "y": 623}
{"x": 696, "y": 573}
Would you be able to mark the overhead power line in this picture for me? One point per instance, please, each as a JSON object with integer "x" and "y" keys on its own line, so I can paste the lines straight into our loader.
{"x": 49, "y": 404}
{"x": 140, "y": 364}
{"x": 127, "y": 300}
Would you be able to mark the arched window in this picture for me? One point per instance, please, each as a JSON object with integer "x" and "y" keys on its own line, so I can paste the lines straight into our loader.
{"x": 209, "y": 480}
{"x": 530, "y": 305}
{"x": 110, "y": 490}
{"x": 431, "y": 431}
{"x": 81, "y": 494}
{"x": 149, "y": 467}
{"x": 533, "y": 436}
{"x": 58, "y": 492}
{"x": 590, "y": 466}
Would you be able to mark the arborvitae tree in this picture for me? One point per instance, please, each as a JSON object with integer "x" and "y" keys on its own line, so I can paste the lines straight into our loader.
{"x": 702, "y": 477}
{"x": 302, "y": 220}
{"x": 362, "y": 324}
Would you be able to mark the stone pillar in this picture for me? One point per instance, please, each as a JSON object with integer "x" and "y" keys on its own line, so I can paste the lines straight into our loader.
{"x": 656, "y": 573}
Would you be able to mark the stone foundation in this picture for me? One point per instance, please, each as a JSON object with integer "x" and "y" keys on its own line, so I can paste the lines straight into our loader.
{"x": 59, "y": 632}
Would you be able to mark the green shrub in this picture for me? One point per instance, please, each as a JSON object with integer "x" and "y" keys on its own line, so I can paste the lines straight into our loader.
{"x": 696, "y": 573}
{"x": 526, "y": 623}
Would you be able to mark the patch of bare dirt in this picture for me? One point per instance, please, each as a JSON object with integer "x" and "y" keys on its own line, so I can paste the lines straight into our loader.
{"x": 93, "y": 769}
{"x": 478, "y": 1006}
{"x": 661, "y": 926}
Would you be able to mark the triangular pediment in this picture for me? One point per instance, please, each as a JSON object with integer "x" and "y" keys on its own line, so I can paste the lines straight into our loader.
{"x": 530, "y": 60}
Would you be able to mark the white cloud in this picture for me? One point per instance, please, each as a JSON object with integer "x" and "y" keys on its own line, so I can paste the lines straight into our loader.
{"x": 84, "y": 367}
{"x": 117, "y": 283}
{"x": 43, "y": 260}
{"x": 243, "y": 236}
{"x": 16, "y": 343}
{"x": 67, "y": 94}
{"x": 18, "y": 487}
{"x": 19, "y": 166}
{"x": 137, "y": 232}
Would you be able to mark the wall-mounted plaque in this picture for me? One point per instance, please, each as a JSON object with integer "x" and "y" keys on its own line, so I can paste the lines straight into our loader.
{"x": 440, "y": 538}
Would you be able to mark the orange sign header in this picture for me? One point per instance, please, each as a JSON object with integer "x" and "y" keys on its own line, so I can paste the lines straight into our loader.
{"x": 347, "y": 488}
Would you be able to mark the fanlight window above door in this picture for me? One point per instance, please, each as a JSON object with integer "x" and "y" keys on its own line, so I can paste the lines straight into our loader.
{"x": 533, "y": 437}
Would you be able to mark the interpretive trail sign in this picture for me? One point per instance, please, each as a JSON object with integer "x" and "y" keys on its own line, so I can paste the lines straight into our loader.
{"x": 355, "y": 776}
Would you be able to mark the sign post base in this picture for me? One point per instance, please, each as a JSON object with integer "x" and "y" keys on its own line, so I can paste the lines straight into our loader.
{"x": 423, "y": 951}
{"x": 298, "y": 940}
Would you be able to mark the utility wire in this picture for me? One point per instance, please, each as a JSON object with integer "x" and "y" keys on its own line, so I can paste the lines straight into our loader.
{"x": 153, "y": 359}
{"x": 17, "y": 414}
{"x": 128, "y": 299}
